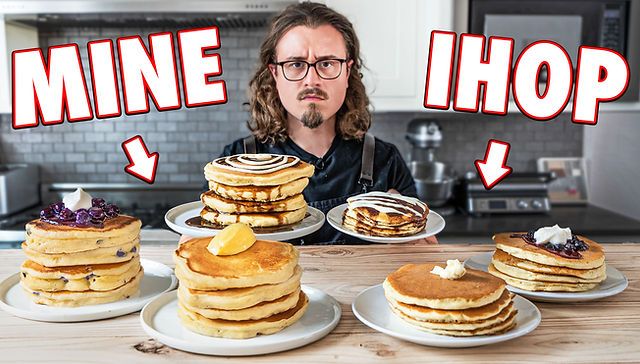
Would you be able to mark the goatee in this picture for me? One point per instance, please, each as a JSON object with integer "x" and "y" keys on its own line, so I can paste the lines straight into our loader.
{"x": 312, "y": 118}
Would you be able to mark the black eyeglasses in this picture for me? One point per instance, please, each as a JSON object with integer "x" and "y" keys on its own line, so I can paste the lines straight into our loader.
{"x": 327, "y": 69}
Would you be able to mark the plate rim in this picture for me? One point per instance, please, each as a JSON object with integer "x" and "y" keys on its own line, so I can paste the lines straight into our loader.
{"x": 382, "y": 239}
{"x": 148, "y": 312}
{"x": 566, "y": 297}
{"x": 450, "y": 341}
{"x": 9, "y": 282}
{"x": 169, "y": 218}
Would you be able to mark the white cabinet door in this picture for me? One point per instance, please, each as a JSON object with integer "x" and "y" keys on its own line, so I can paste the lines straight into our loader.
{"x": 394, "y": 42}
{"x": 13, "y": 36}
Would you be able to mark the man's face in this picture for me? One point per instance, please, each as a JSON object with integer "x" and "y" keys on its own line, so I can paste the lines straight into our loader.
{"x": 311, "y": 100}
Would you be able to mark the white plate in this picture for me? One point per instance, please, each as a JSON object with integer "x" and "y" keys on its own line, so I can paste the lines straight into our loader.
{"x": 160, "y": 320}
{"x": 371, "y": 307}
{"x": 158, "y": 278}
{"x": 176, "y": 219}
{"x": 435, "y": 224}
{"x": 615, "y": 283}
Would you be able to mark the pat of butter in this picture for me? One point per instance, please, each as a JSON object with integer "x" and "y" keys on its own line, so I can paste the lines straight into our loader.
{"x": 552, "y": 234}
{"x": 454, "y": 270}
{"x": 233, "y": 239}
{"x": 77, "y": 200}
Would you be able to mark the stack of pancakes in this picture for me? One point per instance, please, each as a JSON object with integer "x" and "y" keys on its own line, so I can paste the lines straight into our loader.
{"x": 76, "y": 266}
{"x": 534, "y": 268}
{"x": 260, "y": 190}
{"x": 475, "y": 304}
{"x": 239, "y": 296}
{"x": 385, "y": 214}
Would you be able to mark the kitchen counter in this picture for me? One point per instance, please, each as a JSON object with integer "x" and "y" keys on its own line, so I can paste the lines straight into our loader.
{"x": 606, "y": 330}
{"x": 594, "y": 222}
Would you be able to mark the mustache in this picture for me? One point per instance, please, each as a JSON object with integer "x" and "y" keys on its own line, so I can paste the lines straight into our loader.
{"x": 312, "y": 91}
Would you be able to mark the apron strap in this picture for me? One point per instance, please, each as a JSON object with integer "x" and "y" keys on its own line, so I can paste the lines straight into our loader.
{"x": 249, "y": 144}
{"x": 366, "y": 167}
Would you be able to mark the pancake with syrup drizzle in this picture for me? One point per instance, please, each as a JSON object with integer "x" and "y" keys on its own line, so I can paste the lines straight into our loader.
{"x": 221, "y": 204}
{"x": 257, "y": 170}
{"x": 385, "y": 214}
{"x": 259, "y": 193}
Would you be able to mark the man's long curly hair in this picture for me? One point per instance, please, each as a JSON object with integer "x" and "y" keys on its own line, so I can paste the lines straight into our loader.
{"x": 268, "y": 116}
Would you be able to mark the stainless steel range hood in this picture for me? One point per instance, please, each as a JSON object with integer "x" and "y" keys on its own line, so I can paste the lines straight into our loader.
{"x": 149, "y": 13}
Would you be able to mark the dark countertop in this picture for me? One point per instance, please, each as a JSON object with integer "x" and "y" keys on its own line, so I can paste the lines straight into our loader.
{"x": 587, "y": 220}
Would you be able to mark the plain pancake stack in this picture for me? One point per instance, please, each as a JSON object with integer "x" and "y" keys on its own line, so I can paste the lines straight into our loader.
{"x": 385, "y": 214}
{"x": 533, "y": 268}
{"x": 475, "y": 304}
{"x": 76, "y": 266}
{"x": 260, "y": 190}
{"x": 254, "y": 292}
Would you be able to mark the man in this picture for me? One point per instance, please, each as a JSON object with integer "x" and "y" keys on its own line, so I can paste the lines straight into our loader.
{"x": 307, "y": 99}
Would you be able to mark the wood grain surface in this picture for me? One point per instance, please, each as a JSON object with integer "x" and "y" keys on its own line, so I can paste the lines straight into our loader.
{"x": 606, "y": 330}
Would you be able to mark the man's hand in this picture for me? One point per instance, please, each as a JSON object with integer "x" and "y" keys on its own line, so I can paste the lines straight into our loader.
{"x": 429, "y": 240}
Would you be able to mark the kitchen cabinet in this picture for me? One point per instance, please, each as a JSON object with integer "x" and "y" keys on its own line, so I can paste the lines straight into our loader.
{"x": 13, "y": 36}
{"x": 394, "y": 44}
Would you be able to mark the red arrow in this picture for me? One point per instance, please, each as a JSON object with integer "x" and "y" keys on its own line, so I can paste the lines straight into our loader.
{"x": 493, "y": 168}
{"x": 142, "y": 164}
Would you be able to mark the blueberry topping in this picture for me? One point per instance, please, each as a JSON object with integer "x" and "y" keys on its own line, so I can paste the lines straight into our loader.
{"x": 570, "y": 249}
{"x": 93, "y": 217}
{"x": 36, "y": 293}
{"x": 88, "y": 277}
{"x": 64, "y": 280}
{"x": 120, "y": 253}
{"x": 134, "y": 249}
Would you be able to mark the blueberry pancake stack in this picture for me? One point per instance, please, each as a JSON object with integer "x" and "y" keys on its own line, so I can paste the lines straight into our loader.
{"x": 82, "y": 257}
{"x": 571, "y": 263}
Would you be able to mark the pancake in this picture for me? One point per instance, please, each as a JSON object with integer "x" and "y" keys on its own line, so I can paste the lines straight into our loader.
{"x": 259, "y": 193}
{"x": 542, "y": 286}
{"x": 257, "y": 170}
{"x": 265, "y": 262}
{"x": 51, "y": 245}
{"x": 243, "y": 329}
{"x": 84, "y": 283}
{"x": 414, "y": 284}
{"x": 502, "y": 316}
{"x": 83, "y": 298}
{"x": 259, "y": 311}
{"x": 387, "y": 209}
{"x": 354, "y": 224}
{"x": 586, "y": 274}
{"x": 517, "y": 247}
{"x": 114, "y": 254}
{"x": 76, "y": 272}
{"x": 255, "y": 219}
{"x": 533, "y": 276}
{"x": 495, "y": 329}
{"x": 224, "y": 205}
{"x": 421, "y": 313}
{"x": 113, "y": 227}
{"x": 239, "y": 298}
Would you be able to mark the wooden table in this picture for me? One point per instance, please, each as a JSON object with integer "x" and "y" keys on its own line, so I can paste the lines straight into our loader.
{"x": 606, "y": 330}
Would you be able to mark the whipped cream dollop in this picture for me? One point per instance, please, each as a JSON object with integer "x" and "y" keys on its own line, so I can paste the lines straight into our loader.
{"x": 552, "y": 234}
{"x": 454, "y": 270}
{"x": 77, "y": 200}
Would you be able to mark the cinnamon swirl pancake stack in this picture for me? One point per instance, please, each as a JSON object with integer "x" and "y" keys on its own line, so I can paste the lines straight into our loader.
{"x": 385, "y": 214}
{"x": 260, "y": 190}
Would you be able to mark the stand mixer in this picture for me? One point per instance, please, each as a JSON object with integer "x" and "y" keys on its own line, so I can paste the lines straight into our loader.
{"x": 434, "y": 181}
